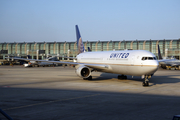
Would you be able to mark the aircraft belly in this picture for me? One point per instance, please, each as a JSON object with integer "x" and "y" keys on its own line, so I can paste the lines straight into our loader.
{"x": 132, "y": 70}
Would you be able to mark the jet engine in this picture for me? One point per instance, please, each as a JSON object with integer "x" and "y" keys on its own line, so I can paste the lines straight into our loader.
{"x": 163, "y": 66}
{"x": 83, "y": 71}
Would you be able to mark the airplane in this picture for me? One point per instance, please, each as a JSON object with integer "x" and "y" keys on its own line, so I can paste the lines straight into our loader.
{"x": 36, "y": 63}
{"x": 125, "y": 62}
{"x": 15, "y": 59}
{"x": 89, "y": 49}
{"x": 167, "y": 62}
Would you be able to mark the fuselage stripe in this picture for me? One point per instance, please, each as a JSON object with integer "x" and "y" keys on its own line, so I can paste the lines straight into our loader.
{"x": 121, "y": 64}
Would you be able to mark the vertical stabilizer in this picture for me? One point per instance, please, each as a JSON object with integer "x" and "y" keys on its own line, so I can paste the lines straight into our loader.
{"x": 28, "y": 57}
{"x": 80, "y": 45}
{"x": 89, "y": 49}
{"x": 159, "y": 53}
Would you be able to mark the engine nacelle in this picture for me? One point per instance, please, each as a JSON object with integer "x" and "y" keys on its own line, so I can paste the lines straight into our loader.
{"x": 83, "y": 71}
{"x": 163, "y": 66}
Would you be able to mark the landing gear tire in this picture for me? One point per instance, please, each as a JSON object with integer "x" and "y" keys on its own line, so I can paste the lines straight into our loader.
{"x": 146, "y": 81}
{"x": 89, "y": 78}
{"x": 145, "y": 84}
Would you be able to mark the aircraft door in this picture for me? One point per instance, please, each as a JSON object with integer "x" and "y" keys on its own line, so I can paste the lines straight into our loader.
{"x": 142, "y": 63}
{"x": 132, "y": 60}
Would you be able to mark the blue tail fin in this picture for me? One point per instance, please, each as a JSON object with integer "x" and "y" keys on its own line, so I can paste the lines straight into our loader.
{"x": 28, "y": 57}
{"x": 159, "y": 53}
{"x": 80, "y": 45}
{"x": 89, "y": 49}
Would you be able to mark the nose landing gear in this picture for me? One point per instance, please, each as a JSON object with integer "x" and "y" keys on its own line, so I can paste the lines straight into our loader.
{"x": 146, "y": 81}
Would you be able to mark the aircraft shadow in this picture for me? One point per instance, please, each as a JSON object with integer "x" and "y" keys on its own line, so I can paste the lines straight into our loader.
{"x": 55, "y": 104}
{"x": 155, "y": 79}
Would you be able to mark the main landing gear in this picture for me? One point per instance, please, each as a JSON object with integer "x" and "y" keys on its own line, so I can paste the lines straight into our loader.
{"x": 146, "y": 81}
{"x": 122, "y": 77}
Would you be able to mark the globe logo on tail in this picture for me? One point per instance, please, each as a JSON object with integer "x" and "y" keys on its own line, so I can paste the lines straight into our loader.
{"x": 80, "y": 46}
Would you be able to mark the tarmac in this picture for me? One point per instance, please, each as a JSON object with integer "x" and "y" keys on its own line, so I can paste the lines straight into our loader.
{"x": 57, "y": 93}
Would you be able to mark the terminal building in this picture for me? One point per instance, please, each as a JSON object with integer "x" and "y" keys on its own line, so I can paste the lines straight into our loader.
{"x": 41, "y": 50}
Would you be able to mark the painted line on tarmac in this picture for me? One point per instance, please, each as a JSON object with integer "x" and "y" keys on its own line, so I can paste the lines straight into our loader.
{"x": 127, "y": 90}
{"x": 59, "y": 100}
{"x": 124, "y": 90}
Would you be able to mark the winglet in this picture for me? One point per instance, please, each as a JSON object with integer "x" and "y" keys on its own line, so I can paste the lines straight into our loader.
{"x": 159, "y": 53}
{"x": 80, "y": 45}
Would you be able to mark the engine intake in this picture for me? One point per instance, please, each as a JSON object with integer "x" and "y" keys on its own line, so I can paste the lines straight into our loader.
{"x": 83, "y": 71}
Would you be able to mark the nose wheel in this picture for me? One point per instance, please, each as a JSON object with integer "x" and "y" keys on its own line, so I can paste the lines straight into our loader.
{"x": 146, "y": 82}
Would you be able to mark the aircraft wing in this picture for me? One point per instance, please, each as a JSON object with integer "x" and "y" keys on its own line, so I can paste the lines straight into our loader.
{"x": 20, "y": 59}
{"x": 173, "y": 63}
{"x": 170, "y": 62}
{"x": 58, "y": 62}
{"x": 97, "y": 66}
{"x": 66, "y": 57}
{"x": 94, "y": 66}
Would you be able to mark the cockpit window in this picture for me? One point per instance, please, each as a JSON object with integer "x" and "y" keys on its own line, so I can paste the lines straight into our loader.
{"x": 144, "y": 58}
{"x": 148, "y": 58}
{"x": 154, "y": 58}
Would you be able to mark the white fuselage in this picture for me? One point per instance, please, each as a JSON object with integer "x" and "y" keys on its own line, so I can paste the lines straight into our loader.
{"x": 126, "y": 62}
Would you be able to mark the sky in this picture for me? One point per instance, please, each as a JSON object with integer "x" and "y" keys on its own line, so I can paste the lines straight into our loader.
{"x": 104, "y": 20}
